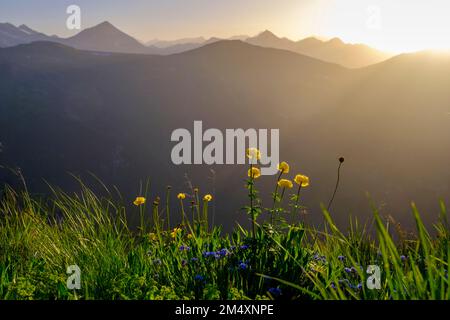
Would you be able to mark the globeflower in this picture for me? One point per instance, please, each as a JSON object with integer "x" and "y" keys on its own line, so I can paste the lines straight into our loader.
{"x": 175, "y": 232}
{"x": 301, "y": 180}
{"x": 207, "y": 198}
{"x": 254, "y": 173}
{"x": 181, "y": 196}
{"x": 253, "y": 154}
{"x": 283, "y": 167}
{"x": 285, "y": 183}
{"x": 139, "y": 201}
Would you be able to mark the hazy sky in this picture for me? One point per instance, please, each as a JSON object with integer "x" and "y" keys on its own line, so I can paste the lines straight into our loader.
{"x": 395, "y": 25}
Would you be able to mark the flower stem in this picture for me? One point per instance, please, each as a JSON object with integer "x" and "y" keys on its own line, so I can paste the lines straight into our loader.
{"x": 275, "y": 193}
{"x": 251, "y": 202}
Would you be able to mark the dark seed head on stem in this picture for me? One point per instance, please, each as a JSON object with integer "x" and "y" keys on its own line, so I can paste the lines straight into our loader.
{"x": 341, "y": 159}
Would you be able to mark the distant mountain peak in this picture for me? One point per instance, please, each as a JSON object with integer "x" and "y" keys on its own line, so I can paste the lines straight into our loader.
{"x": 335, "y": 40}
{"x": 105, "y": 24}
{"x": 266, "y": 34}
{"x": 105, "y": 37}
{"x": 27, "y": 29}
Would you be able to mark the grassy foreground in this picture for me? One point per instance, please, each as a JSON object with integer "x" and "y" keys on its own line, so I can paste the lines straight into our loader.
{"x": 275, "y": 259}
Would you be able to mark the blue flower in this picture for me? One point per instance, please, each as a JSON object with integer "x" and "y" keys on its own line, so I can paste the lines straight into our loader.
{"x": 194, "y": 259}
{"x": 359, "y": 286}
{"x": 223, "y": 252}
{"x": 320, "y": 258}
{"x": 243, "y": 266}
{"x": 184, "y": 263}
{"x": 275, "y": 291}
{"x": 348, "y": 270}
{"x": 199, "y": 278}
{"x": 341, "y": 258}
{"x": 244, "y": 247}
{"x": 184, "y": 248}
{"x": 403, "y": 258}
{"x": 209, "y": 254}
{"x": 332, "y": 285}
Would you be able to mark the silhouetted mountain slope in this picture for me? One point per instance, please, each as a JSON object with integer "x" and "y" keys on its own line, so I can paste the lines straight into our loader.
{"x": 11, "y": 35}
{"x": 65, "y": 110}
{"x": 334, "y": 50}
{"x": 105, "y": 37}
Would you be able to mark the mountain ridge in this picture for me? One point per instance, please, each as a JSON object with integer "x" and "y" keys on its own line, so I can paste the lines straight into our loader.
{"x": 108, "y": 38}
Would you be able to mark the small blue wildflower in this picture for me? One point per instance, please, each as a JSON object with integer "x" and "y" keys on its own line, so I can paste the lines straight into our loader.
{"x": 348, "y": 270}
{"x": 209, "y": 254}
{"x": 403, "y": 258}
{"x": 244, "y": 247}
{"x": 184, "y": 248}
{"x": 194, "y": 259}
{"x": 359, "y": 286}
{"x": 243, "y": 266}
{"x": 184, "y": 263}
{"x": 223, "y": 252}
{"x": 332, "y": 285}
{"x": 199, "y": 278}
{"x": 341, "y": 258}
{"x": 354, "y": 270}
{"x": 320, "y": 258}
{"x": 275, "y": 291}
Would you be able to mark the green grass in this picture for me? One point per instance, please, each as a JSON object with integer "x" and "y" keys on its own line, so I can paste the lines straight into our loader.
{"x": 39, "y": 239}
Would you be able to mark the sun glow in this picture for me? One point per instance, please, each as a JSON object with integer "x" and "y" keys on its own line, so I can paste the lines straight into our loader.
{"x": 394, "y": 26}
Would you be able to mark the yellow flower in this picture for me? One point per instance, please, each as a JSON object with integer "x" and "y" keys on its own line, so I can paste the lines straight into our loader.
{"x": 207, "y": 198}
{"x": 139, "y": 201}
{"x": 283, "y": 167}
{"x": 285, "y": 183}
{"x": 181, "y": 196}
{"x": 254, "y": 173}
{"x": 253, "y": 153}
{"x": 189, "y": 236}
{"x": 152, "y": 237}
{"x": 175, "y": 231}
{"x": 301, "y": 180}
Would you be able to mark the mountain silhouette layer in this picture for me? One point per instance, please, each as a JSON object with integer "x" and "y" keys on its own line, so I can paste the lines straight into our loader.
{"x": 105, "y": 37}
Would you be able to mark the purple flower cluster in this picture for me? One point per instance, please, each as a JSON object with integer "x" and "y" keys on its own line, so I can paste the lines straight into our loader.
{"x": 347, "y": 282}
{"x": 319, "y": 258}
{"x": 217, "y": 254}
{"x": 184, "y": 248}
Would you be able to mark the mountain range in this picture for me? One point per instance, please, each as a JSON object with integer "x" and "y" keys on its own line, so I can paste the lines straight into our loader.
{"x": 107, "y": 38}
{"x": 67, "y": 110}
